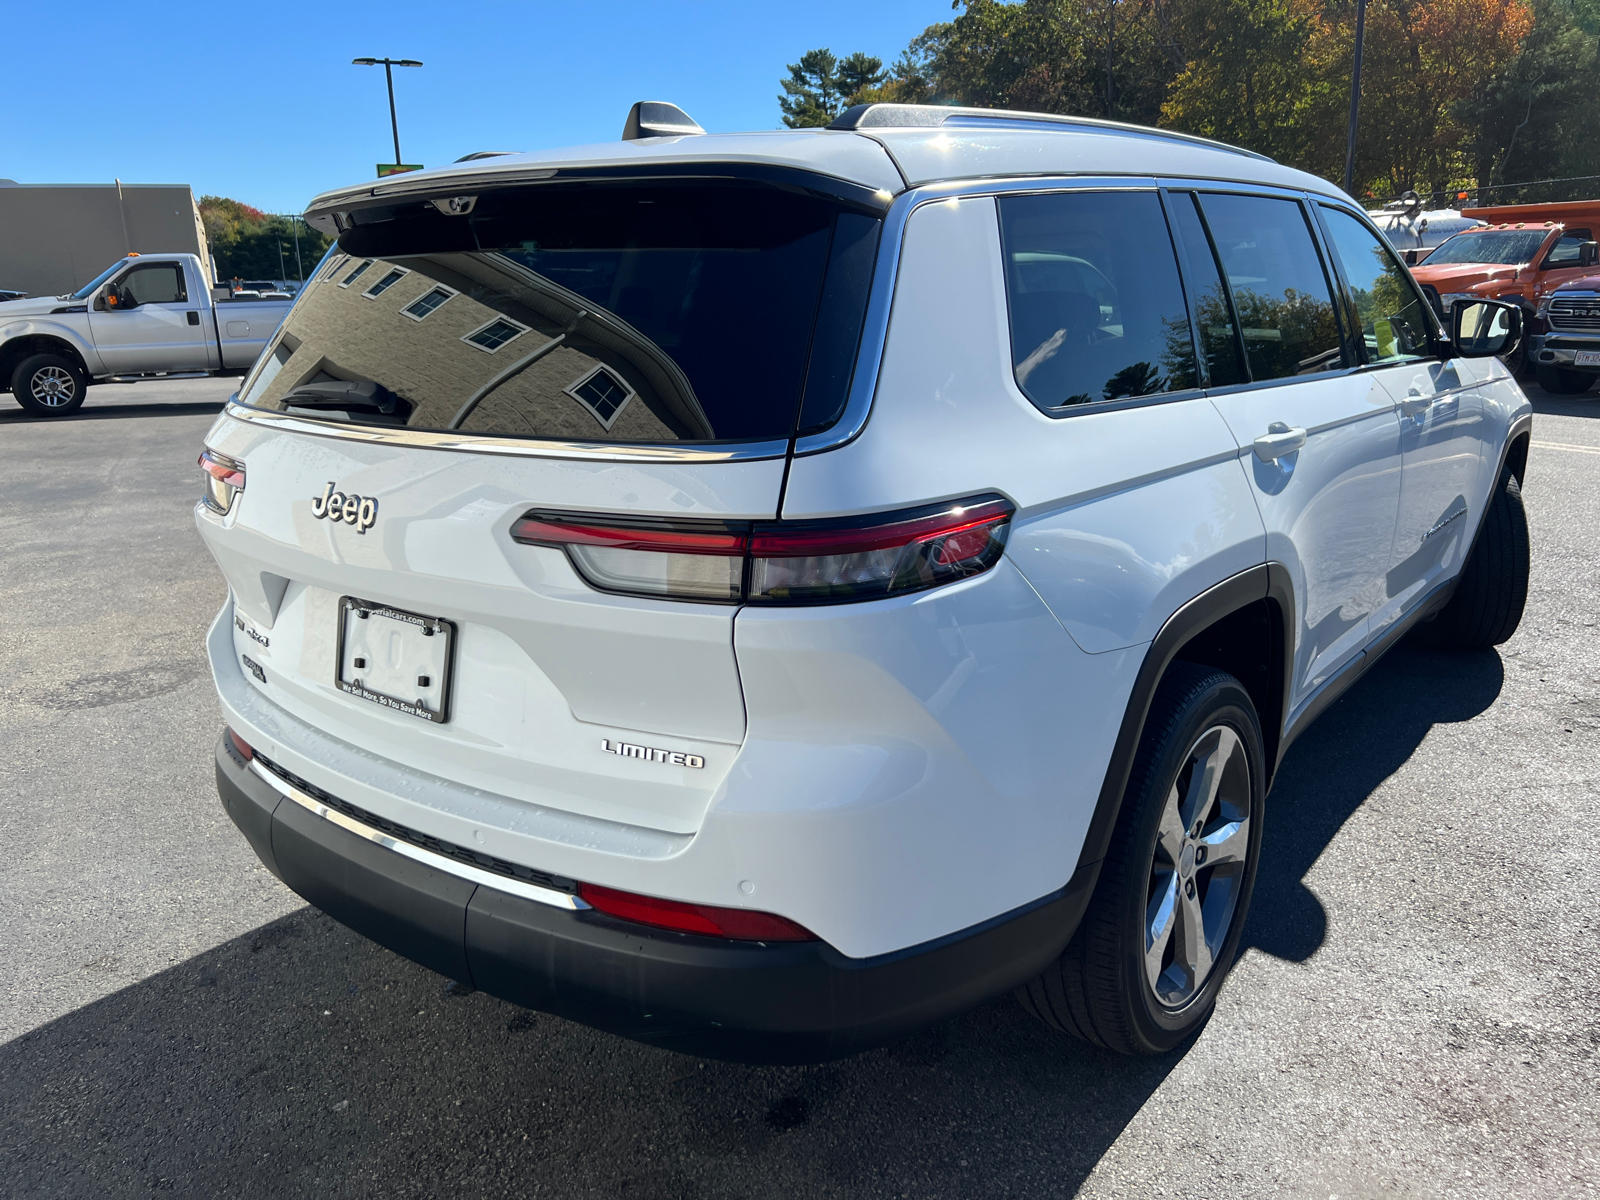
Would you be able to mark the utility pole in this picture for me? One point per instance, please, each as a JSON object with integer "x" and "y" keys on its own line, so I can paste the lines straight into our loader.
{"x": 1111, "y": 38}
{"x": 299, "y": 268}
{"x": 1355, "y": 98}
{"x": 388, "y": 75}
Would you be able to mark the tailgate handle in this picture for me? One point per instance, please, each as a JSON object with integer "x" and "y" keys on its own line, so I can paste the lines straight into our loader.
{"x": 1278, "y": 441}
{"x": 194, "y": 318}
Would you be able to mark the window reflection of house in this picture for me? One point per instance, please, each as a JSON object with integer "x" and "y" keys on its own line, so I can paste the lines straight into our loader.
{"x": 501, "y": 350}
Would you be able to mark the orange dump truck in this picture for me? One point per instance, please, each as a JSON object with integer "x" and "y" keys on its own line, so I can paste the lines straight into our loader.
{"x": 1525, "y": 253}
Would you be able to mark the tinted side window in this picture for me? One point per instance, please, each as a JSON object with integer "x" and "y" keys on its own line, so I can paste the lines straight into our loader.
{"x": 1279, "y": 289}
{"x": 1207, "y": 297}
{"x": 1393, "y": 325}
{"x": 159, "y": 283}
{"x": 1565, "y": 252}
{"x": 1097, "y": 311}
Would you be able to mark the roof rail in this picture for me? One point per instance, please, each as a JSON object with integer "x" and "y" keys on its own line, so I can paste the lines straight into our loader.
{"x": 931, "y": 116}
{"x": 657, "y": 118}
{"x": 477, "y": 154}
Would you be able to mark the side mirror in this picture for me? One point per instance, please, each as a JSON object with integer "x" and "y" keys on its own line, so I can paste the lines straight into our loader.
{"x": 1485, "y": 328}
{"x": 1413, "y": 257}
{"x": 117, "y": 300}
{"x": 1588, "y": 254}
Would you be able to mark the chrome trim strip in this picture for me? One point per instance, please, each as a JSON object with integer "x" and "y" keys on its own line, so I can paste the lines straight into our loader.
{"x": 510, "y": 446}
{"x": 438, "y": 862}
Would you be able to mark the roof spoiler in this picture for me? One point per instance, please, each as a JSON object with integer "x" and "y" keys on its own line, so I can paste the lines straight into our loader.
{"x": 657, "y": 118}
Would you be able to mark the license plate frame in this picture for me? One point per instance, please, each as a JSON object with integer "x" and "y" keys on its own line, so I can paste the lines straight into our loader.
{"x": 1586, "y": 358}
{"x": 409, "y": 626}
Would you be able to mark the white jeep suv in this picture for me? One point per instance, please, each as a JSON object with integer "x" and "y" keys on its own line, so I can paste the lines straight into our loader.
{"x": 762, "y": 593}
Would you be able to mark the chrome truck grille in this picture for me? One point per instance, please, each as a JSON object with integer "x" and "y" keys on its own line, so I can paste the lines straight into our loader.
{"x": 1575, "y": 314}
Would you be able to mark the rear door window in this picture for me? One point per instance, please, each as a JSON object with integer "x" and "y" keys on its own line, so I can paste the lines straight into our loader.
{"x": 1387, "y": 306}
{"x": 1097, "y": 310}
{"x": 645, "y": 314}
{"x": 1207, "y": 297}
{"x": 1280, "y": 291}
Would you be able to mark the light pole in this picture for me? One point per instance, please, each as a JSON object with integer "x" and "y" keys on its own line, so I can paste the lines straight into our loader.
{"x": 388, "y": 75}
{"x": 1355, "y": 98}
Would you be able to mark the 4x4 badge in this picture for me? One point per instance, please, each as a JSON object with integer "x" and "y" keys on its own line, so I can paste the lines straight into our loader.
{"x": 360, "y": 511}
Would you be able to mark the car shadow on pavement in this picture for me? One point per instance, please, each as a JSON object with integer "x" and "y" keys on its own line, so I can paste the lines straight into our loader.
{"x": 111, "y": 412}
{"x": 303, "y": 1059}
{"x": 1339, "y": 762}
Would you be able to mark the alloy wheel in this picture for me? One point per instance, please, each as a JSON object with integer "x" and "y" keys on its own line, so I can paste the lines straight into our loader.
{"x": 1198, "y": 867}
{"x": 54, "y": 387}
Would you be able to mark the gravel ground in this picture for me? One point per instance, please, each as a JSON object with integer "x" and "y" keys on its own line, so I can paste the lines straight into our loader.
{"x": 1414, "y": 1015}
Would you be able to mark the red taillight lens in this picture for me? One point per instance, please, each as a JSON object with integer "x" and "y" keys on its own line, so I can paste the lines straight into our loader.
{"x": 244, "y": 748}
{"x": 817, "y": 563}
{"x": 704, "y": 561}
{"x": 224, "y": 479}
{"x": 779, "y": 562}
{"x": 707, "y": 919}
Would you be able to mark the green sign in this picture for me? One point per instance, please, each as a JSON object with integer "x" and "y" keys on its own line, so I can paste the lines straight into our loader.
{"x": 397, "y": 168}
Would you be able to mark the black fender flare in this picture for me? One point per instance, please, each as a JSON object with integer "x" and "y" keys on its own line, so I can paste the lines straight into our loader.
{"x": 1268, "y": 581}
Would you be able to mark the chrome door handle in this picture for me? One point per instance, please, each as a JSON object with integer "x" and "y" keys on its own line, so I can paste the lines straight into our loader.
{"x": 1278, "y": 441}
{"x": 1414, "y": 403}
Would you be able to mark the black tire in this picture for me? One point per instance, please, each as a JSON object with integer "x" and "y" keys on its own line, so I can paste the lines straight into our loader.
{"x": 1493, "y": 590}
{"x": 1517, "y": 361}
{"x": 1099, "y": 989}
{"x": 49, "y": 385}
{"x": 1563, "y": 381}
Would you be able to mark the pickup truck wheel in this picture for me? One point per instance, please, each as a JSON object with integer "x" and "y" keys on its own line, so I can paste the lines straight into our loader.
{"x": 49, "y": 385}
{"x": 1143, "y": 970}
{"x": 1563, "y": 381}
{"x": 1487, "y": 606}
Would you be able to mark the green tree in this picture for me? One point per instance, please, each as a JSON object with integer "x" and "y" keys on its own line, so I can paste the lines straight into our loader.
{"x": 246, "y": 242}
{"x": 821, "y": 86}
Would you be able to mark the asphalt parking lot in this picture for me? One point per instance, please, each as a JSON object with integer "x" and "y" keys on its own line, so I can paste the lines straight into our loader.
{"x": 1414, "y": 1017}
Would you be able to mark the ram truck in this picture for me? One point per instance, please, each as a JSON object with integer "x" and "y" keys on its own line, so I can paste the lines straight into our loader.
{"x": 1524, "y": 254}
{"x": 151, "y": 314}
{"x": 1567, "y": 360}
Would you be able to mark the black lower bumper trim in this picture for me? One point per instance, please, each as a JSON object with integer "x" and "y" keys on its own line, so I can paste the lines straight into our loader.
{"x": 746, "y": 1001}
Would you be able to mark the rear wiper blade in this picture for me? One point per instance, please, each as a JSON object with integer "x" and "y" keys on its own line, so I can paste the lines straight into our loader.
{"x": 354, "y": 400}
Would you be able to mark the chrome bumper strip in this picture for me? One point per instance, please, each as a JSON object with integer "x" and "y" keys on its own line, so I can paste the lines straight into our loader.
{"x": 438, "y": 862}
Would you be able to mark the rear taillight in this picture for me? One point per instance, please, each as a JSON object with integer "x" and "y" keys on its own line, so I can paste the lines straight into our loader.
{"x": 243, "y": 747}
{"x": 779, "y": 562}
{"x": 224, "y": 479}
{"x": 708, "y": 919}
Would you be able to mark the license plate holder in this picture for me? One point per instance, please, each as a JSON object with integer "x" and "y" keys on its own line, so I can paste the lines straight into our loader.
{"x": 406, "y": 660}
{"x": 1587, "y": 358}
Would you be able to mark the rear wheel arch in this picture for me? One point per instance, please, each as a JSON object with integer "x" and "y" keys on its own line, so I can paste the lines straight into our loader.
{"x": 1242, "y": 625}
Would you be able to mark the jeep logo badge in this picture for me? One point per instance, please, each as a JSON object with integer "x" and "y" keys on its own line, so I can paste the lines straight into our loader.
{"x": 360, "y": 511}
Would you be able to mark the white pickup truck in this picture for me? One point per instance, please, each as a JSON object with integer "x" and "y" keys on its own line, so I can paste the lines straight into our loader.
{"x": 151, "y": 314}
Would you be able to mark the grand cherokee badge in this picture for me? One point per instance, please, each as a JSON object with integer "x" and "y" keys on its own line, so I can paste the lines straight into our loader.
{"x": 360, "y": 511}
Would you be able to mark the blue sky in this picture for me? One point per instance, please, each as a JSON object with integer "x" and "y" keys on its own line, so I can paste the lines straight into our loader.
{"x": 260, "y": 102}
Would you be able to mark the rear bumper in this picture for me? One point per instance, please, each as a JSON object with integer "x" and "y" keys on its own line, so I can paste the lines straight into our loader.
{"x": 747, "y": 1001}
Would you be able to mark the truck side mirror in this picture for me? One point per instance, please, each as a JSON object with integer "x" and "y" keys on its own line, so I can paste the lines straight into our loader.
{"x": 1588, "y": 253}
{"x": 1485, "y": 328}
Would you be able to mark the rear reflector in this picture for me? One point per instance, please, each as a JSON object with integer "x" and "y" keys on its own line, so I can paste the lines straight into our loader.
{"x": 779, "y": 562}
{"x": 706, "y": 919}
{"x": 244, "y": 748}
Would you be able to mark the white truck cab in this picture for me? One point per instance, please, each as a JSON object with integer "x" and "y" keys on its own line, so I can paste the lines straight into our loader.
{"x": 761, "y": 593}
{"x": 151, "y": 314}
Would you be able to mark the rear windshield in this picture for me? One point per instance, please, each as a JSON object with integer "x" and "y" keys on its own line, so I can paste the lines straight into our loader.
{"x": 641, "y": 314}
{"x": 1502, "y": 246}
